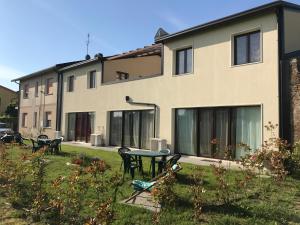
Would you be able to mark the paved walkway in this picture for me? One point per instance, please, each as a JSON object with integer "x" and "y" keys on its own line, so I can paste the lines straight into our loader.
{"x": 185, "y": 159}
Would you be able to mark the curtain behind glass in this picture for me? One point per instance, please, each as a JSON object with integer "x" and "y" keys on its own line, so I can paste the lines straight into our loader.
{"x": 222, "y": 125}
{"x": 116, "y": 128}
{"x": 248, "y": 129}
{"x": 186, "y": 131}
{"x": 147, "y": 128}
{"x": 206, "y": 127}
{"x": 71, "y": 126}
{"x": 135, "y": 129}
{"x": 127, "y": 126}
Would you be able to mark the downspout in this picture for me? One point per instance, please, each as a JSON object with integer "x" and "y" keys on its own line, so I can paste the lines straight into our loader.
{"x": 284, "y": 128}
{"x": 59, "y": 102}
{"x": 19, "y": 103}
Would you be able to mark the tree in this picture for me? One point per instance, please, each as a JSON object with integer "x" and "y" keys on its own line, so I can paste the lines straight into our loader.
{"x": 12, "y": 110}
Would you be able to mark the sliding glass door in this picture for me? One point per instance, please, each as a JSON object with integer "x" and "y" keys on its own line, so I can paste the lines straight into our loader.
{"x": 116, "y": 126}
{"x": 206, "y": 132}
{"x": 147, "y": 128}
{"x": 132, "y": 128}
{"x": 248, "y": 130}
{"x": 80, "y": 126}
{"x": 229, "y": 126}
{"x": 186, "y": 131}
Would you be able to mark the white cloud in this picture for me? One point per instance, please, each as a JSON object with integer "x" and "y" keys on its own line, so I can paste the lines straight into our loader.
{"x": 7, "y": 74}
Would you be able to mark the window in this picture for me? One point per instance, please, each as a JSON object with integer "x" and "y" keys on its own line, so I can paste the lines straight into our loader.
{"x": 26, "y": 91}
{"x": 92, "y": 79}
{"x": 49, "y": 86}
{"x": 229, "y": 126}
{"x": 24, "y": 119}
{"x": 70, "y": 83}
{"x": 132, "y": 128}
{"x": 48, "y": 119}
{"x": 184, "y": 61}
{"x": 247, "y": 48}
{"x": 35, "y": 119}
{"x": 36, "y": 89}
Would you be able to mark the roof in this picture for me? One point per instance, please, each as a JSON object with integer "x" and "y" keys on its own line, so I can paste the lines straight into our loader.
{"x": 97, "y": 58}
{"x": 46, "y": 70}
{"x": 228, "y": 19}
{"x": 7, "y": 89}
{"x": 154, "y": 49}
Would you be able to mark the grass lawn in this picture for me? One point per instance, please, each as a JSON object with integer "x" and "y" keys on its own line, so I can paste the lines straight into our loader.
{"x": 269, "y": 204}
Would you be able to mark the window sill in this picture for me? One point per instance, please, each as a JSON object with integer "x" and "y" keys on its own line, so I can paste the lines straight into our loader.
{"x": 246, "y": 64}
{"x": 182, "y": 74}
{"x": 47, "y": 127}
{"x": 48, "y": 94}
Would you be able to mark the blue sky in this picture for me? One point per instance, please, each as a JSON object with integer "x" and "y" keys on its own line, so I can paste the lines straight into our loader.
{"x": 40, "y": 33}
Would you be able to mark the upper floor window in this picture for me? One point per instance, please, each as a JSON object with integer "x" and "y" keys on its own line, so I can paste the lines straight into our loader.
{"x": 184, "y": 61}
{"x": 70, "y": 83}
{"x": 36, "y": 89}
{"x": 26, "y": 91}
{"x": 48, "y": 119}
{"x": 247, "y": 48}
{"x": 49, "y": 86}
{"x": 92, "y": 79}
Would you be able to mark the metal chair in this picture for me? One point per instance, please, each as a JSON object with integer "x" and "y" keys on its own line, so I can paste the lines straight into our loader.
{"x": 35, "y": 145}
{"x": 55, "y": 146}
{"x": 130, "y": 163}
{"x": 171, "y": 162}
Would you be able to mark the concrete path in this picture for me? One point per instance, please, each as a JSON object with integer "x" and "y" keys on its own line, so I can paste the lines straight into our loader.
{"x": 201, "y": 161}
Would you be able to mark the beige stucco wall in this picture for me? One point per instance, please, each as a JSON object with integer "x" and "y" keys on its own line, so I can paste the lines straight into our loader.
{"x": 214, "y": 81}
{"x": 292, "y": 30}
{"x": 135, "y": 67}
{"x": 6, "y": 97}
{"x": 41, "y": 104}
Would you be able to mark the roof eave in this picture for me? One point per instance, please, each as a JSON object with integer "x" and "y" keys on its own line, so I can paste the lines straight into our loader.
{"x": 250, "y": 12}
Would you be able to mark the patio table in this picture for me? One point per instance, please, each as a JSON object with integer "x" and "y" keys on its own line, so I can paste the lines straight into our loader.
{"x": 150, "y": 154}
{"x": 44, "y": 141}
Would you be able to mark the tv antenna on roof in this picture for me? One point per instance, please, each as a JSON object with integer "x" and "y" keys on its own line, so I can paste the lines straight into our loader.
{"x": 87, "y": 57}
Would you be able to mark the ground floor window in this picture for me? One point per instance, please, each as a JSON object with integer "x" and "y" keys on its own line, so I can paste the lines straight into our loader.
{"x": 197, "y": 129}
{"x": 132, "y": 128}
{"x": 80, "y": 126}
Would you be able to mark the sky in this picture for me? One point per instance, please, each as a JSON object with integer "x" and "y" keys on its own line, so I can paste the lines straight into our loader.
{"x": 36, "y": 34}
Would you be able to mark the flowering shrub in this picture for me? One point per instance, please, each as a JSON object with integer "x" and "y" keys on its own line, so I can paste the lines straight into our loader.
{"x": 224, "y": 189}
{"x": 198, "y": 192}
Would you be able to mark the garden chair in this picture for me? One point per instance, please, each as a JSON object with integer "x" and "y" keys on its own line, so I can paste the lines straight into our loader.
{"x": 35, "y": 145}
{"x": 143, "y": 186}
{"x": 172, "y": 161}
{"x": 129, "y": 163}
{"x": 55, "y": 146}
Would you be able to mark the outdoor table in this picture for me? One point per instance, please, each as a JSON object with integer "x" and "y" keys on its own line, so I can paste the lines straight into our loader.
{"x": 150, "y": 154}
{"x": 44, "y": 141}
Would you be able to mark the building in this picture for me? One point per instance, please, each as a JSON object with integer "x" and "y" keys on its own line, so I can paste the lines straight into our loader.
{"x": 38, "y": 101}
{"x": 221, "y": 80}
{"x": 7, "y": 96}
